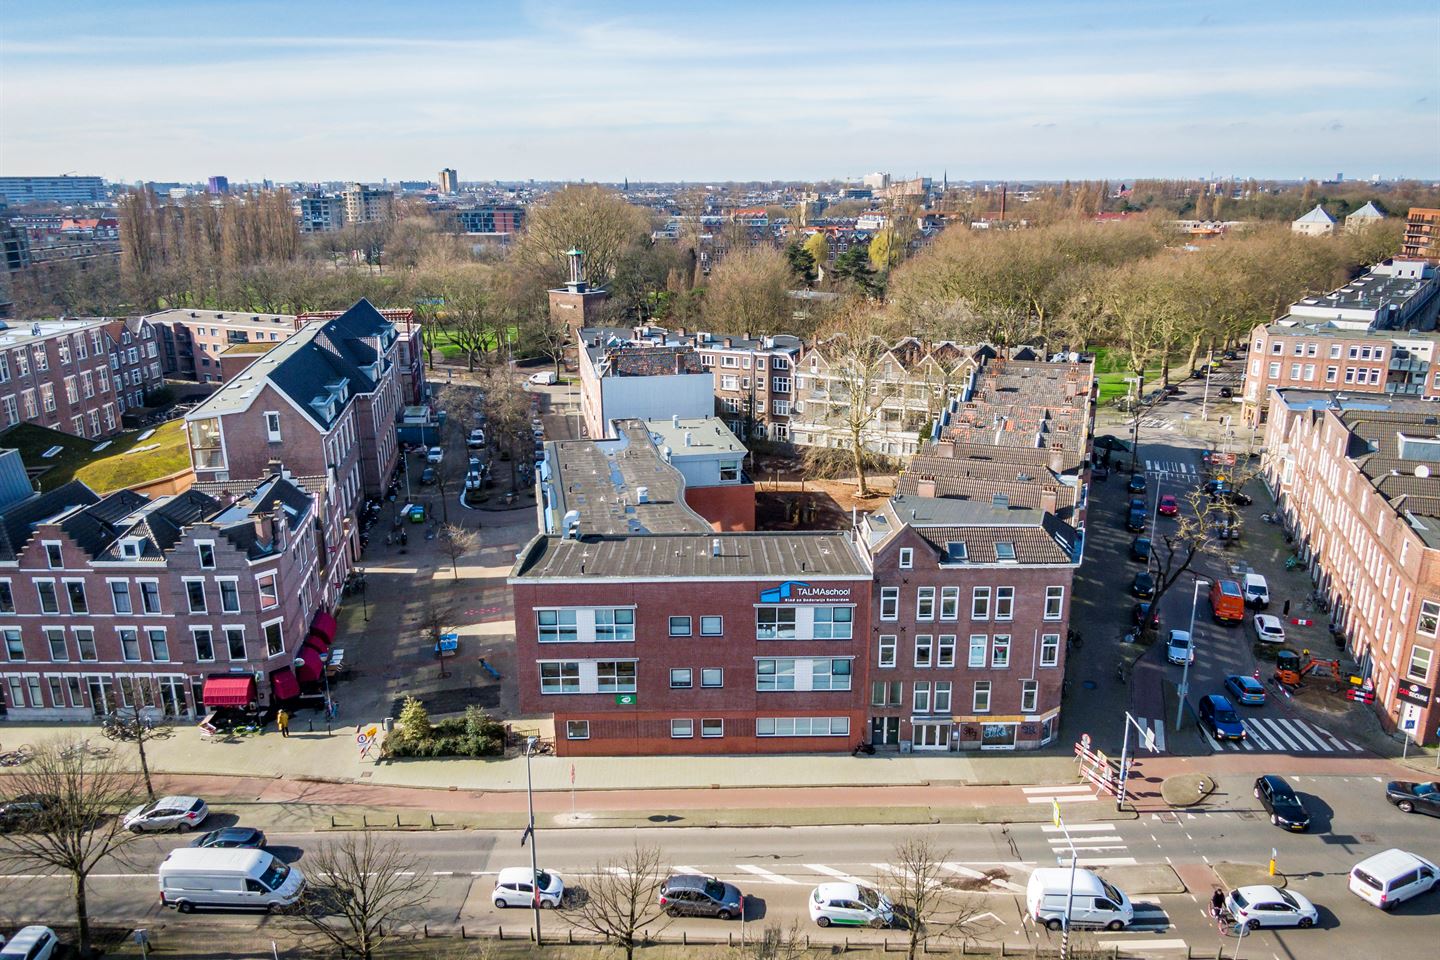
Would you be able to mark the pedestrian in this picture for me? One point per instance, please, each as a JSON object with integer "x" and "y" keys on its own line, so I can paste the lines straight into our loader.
{"x": 282, "y": 722}
{"x": 1217, "y": 902}
{"x": 1287, "y": 608}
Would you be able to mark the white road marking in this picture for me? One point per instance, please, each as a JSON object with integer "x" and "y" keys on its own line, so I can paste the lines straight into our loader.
{"x": 766, "y": 875}
{"x": 1149, "y": 944}
{"x": 1082, "y": 828}
{"x": 681, "y": 868}
{"x": 837, "y": 874}
{"x": 1067, "y": 798}
{"x": 1080, "y": 787}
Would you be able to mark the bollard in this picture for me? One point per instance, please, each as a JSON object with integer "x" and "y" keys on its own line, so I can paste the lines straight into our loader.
{"x": 502, "y": 934}
{"x": 684, "y": 939}
{"x": 425, "y": 933}
{"x": 397, "y": 821}
{"x": 432, "y": 822}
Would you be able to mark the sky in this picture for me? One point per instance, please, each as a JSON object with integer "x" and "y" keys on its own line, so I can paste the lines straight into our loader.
{"x": 726, "y": 90}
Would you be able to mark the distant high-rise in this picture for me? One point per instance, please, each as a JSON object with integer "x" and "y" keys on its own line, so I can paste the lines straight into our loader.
{"x": 364, "y": 205}
{"x": 20, "y": 190}
{"x": 449, "y": 181}
{"x": 218, "y": 185}
{"x": 1422, "y": 235}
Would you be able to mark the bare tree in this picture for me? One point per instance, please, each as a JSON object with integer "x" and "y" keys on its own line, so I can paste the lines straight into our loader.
{"x": 436, "y": 619}
{"x": 749, "y": 292}
{"x": 775, "y": 942}
{"x": 129, "y": 725}
{"x": 919, "y": 886}
{"x": 82, "y": 825}
{"x": 621, "y": 899}
{"x": 863, "y": 376}
{"x": 457, "y": 541}
{"x": 372, "y": 885}
{"x": 599, "y": 222}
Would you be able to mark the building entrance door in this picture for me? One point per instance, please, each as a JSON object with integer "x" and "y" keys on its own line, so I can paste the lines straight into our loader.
{"x": 884, "y": 730}
{"x": 932, "y": 736}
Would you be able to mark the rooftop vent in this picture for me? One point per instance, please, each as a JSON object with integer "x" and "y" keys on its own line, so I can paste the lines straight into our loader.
{"x": 570, "y": 526}
{"x": 715, "y": 547}
{"x": 642, "y": 494}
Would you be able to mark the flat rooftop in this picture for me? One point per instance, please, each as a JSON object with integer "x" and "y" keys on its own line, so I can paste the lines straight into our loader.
{"x": 708, "y": 555}
{"x": 224, "y": 318}
{"x": 1368, "y": 292}
{"x": 694, "y": 436}
{"x": 602, "y": 480}
{"x": 15, "y": 332}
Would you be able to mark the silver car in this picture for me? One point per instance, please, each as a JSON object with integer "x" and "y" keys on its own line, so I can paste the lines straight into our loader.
{"x": 168, "y": 813}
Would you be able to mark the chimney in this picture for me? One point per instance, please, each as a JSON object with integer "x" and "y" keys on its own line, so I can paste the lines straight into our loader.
{"x": 1048, "y": 500}
{"x": 675, "y": 420}
{"x": 642, "y": 495}
{"x": 926, "y": 487}
{"x": 689, "y": 438}
{"x": 1057, "y": 460}
{"x": 945, "y": 448}
{"x": 264, "y": 528}
{"x": 727, "y": 341}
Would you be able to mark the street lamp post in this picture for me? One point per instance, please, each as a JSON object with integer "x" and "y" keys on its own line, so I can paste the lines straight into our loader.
{"x": 1189, "y": 655}
{"x": 1059, "y": 821}
{"x": 364, "y": 604}
{"x": 1205, "y": 401}
{"x": 530, "y": 832}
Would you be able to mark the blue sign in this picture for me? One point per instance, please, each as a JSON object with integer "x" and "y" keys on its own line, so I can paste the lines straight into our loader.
{"x": 798, "y": 591}
{"x": 782, "y": 592}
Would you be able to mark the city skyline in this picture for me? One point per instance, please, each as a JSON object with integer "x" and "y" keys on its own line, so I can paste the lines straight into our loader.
{"x": 578, "y": 91}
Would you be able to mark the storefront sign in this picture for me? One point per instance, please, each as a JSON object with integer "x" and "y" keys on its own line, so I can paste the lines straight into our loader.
{"x": 797, "y": 591}
{"x": 1416, "y": 693}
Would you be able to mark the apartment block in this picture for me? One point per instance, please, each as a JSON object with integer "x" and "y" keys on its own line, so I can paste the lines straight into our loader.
{"x": 1044, "y": 411}
{"x": 58, "y": 374}
{"x": 191, "y": 342}
{"x": 911, "y": 387}
{"x": 62, "y": 189}
{"x": 168, "y": 605}
{"x": 322, "y": 213}
{"x": 367, "y": 205}
{"x": 1358, "y": 480}
{"x": 136, "y": 369}
{"x": 1422, "y": 235}
{"x": 1374, "y": 335}
{"x": 623, "y": 378}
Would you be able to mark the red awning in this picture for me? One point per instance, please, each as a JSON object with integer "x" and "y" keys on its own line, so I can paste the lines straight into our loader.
{"x": 234, "y": 691}
{"x": 284, "y": 685}
{"x": 324, "y": 624}
{"x": 310, "y": 667}
{"x": 318, "y": 642}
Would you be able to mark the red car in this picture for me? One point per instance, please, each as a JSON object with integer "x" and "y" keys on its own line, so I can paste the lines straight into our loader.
{"x": 1169, "y": 506}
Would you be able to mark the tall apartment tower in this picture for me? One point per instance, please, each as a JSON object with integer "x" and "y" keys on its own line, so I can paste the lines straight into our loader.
{"x": 449, "y": 181}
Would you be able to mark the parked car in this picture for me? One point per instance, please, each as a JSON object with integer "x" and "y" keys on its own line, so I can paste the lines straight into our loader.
{"x": 1136, "y": 521}
{"x": 1268, "y": 628}
{"x": 1238, "y": 499}
{"x": 475, "y": 476}
{"x": 1392, "y": 877}
{"x": 239, "y": 879}
{"x": 241, "y": 837}
{"x": 476, "y": 440}
{"x": 1226, "y": 393}
{"x": 1412, "y": 797}
{"x": 1179, "y": 648}
{"x": 1227, "y": 601}
{"x": 1257, "y": 591}
{"x": 1246, "y": 690}
{"x": 1140, "y": 611}
{"x": 1264, "y": 906}
{"x": 1140, "y": 549}
{"x": 434, "y": 455}
{"x": 1137, "y": 483}
{"x": 1217, "y": 716}
{"x": 24, "y": 811}
{"x": 31, "y": 943}
{"x": 1107, "y": 442}
{"x": 1100, "y": 472}
{"x": 1143, "y": 586}
{"x": 850, "y": 905}
{"x": 544, "y": 378}
{"x": 691, "y": 895}
{"x": 428, "y": 477}
{"x": 1282, "y": 803}
{"x": 1169, "y": 506}
{"x": 167, "y": 813}
{"x": 519, "y": 887}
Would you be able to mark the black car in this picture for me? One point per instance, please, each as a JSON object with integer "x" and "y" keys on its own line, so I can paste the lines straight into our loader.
{"x": 691, "y": 895}
{"x": 1137, "y": 520}
{"x": 1239, "y": 499}
{"x": 1107, "y": 442}
{"x": 1100, "y": 472}
{"x": 23, "y": 812}
{"x": 1143, "y": 586}
{"x": 1414, "y": 797}
{"x": 1282, "y": 803}
{"x": 1140, "y": 549}
{"x": 1137, "y": 483}
{"x": 1226, "y": 393}
{"x": 1140, "y": 611}
{"x": 244, "y": 837}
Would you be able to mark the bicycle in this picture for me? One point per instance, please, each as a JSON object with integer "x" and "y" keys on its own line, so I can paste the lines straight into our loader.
{"x": 21, "y": 755}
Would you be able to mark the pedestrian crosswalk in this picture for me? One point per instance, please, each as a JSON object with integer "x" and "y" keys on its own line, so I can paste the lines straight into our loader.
{"x": 1079, "y": 793}
{"x": 1172, "y": 469}
{"x": 1095, "y": 844}
{"x": 1285, "y": 735}
{"x": 994, "y": 875}
{"x": 1156, "y": 729}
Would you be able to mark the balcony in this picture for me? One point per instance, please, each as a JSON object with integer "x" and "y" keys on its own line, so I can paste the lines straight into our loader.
{"x": 1407, "y": 364}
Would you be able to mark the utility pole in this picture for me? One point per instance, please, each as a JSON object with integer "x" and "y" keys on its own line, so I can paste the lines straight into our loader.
{"x": 530, "y": 832}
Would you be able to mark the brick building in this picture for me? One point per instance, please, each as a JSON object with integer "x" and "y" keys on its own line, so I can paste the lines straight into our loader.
{"x": 625, "y": 377}
{"x": 192, "y": 341}
{"x": 644, "y": 632}
{"x": 169, "y": 604}
{"x": 57, "y": 374}
{"x": 1358, "y": 480}
{"x": 1374, "y": 335}
{"x": 1422, "y": 235}
{"x": 135, "y": 366}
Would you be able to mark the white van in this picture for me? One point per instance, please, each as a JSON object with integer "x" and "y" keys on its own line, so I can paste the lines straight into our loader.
{"x": 1096, "y": 903}
{"x": 1257, "y": 591}
{"x": 1392, "y": 877}
{"x": 544, "y": 378}
{"x": 237, "y": 878}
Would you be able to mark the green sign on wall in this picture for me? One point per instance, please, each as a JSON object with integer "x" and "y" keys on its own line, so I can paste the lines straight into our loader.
{"x": 625, "y": 699}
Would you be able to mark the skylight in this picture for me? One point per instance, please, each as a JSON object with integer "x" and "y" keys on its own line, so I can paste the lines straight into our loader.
{"x": 1005, "y": 551}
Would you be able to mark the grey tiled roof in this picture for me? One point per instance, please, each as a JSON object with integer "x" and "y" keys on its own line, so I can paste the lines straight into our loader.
{"x": 17, "y": 522}
{"x": 666, "y": 556}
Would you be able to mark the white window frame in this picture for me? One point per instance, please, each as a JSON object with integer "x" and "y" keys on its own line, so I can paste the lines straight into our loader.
{"x": 682, "y": 728}
{"x": 1050, "y": 650}
{"x": 941, "y": 699}
{"x": 950, "y": 603}
{"x": 889, "y": 602}
{"x": 945, "y": 651}
{"x": 1029, "y": 696}
{"x": 920, "y": 697}
{"x": 716, "y": 671}
{"x": 1000, "y": 651}
{"x": 907, "y": 558}
{"x": 682, "y": 678}
{"x": 980, "y": 603}
{"x": 889, "y": 644}
{"x": 1004, "y": 603}
{"x": 925, "y": 603}
{"x": 979, "y": 644}
{"x": 924, "y": 651}
{"x": 272, "y": 426}
{"x": 711, "y": 728}
{"x": 980, "y": 697}
{"x": 1054, "y": 603}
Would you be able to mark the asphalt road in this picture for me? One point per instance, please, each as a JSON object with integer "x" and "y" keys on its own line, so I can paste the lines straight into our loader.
{"x": 778, "y": 867}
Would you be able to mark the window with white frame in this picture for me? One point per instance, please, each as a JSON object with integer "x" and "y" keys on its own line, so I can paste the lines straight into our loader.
{"x": 907, "y": 558}
{"x": 615, "y": 676}
{"x": 195, "y": 595}
{"x": 713, "y": 727}
{"x": 274, "y": 639}
{"x": 54, "y": 557}
{"x": 925, "y": 603}
{"x": 780, "y": 407}
{"x": 1050, "y": 650}
{"x": 55, "y": 638}
{"x": 712, "y": 626}
{"x": 712, "y": 677}
{"x": 85, "y": 641}
{"x": 269, "y": 594}
{"x": 980, "y": 702}
{"x": 1419, "y": 668}
{"x": 949, "y": 603}
{"x": 206, "y": 551}
{"x": 129, "y": 643}
{"x": 920, "y": 697}
{"x": 7, "y": 597}
{"x": 945, "y": 651}
{"x": 556, "y": 626}
{"x": 49, "y": 599}
{"x": 14, "y": 644}
{"x": 204, "y": 643}
{"x": 980, "y": 604}
{"x": 1000, "y": 651}
{"x": 834, "y": 623}
{"x": 887, "y": 651}
{"x": 614, "y": 625}
{"x": 780, "y": 384}
{"x": 560, "y": 677}
{"x": 775, "y": 623}
{"x": 942, "y": 697}
{"x": 1004, "y": 603}
{"x": 577, "y": 729}
{"x": 886, "y": 693}
{"x": 229, "y": 595}
{"x": 729, "y": 383}
{"x": 1029, "y": 696}
{"x": 272, "y": 426}
{"x": 802, "y": 726}
{"x": 235, "y": 643}
{"x": 889, "y": 603}
{"x": 679, "y": 626}
{"x": 979, "y": 645}
{"x": 159, "y": 644}
{"x": 682, "y": 729}
{"x": 924, "y": 649}
{"x": 1054, "y": 602}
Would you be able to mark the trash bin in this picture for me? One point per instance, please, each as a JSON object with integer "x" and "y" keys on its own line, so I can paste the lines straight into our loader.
{"x": 388, "y": 724}
{"x": 904, "y": 746}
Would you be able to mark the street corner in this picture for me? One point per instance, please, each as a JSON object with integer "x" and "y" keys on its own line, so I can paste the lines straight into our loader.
{"x": 1231, "y": 875}
{"x": 1144, "y": 879}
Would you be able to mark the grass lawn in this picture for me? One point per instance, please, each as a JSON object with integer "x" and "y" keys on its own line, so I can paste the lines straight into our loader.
{"x": 124, "y": 462}
{"x": 1111, "y": 370}
{"x": 446, "y": 347}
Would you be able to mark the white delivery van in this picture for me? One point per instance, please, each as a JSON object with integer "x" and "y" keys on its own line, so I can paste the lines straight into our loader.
{"x": 1096, "y": 903}
{"x": 1257, "y": 591}
{"x": 234, "y": 878}
{"x": 544, "y": 378}
{"x": 1392, "y": 877}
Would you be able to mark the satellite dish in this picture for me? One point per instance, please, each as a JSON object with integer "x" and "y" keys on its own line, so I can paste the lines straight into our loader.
{"x": 1422, "y": 471}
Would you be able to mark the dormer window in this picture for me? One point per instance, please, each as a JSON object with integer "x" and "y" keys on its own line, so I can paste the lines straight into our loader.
{"x": 206, "y": 551}
{"x": 130, "y": 548}
{"x": 955, "y": 552}
{"x": 1005, "y": 552}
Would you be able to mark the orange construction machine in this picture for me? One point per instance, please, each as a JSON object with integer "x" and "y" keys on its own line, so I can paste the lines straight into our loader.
{"x": 1292, "y": 667}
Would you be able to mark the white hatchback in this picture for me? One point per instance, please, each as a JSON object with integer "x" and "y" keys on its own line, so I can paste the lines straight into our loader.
{"x": 167, "y": 813}
{"x": 850, "y": 905}
{"x": 1264, "y": 906}
{"x": 1268, "y": 628}
{"x": 518, "y": 887}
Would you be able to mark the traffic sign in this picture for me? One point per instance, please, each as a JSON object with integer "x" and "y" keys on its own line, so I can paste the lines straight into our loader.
{"x": 1085, "y": 740}
{"x": 1055, "y": 811}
